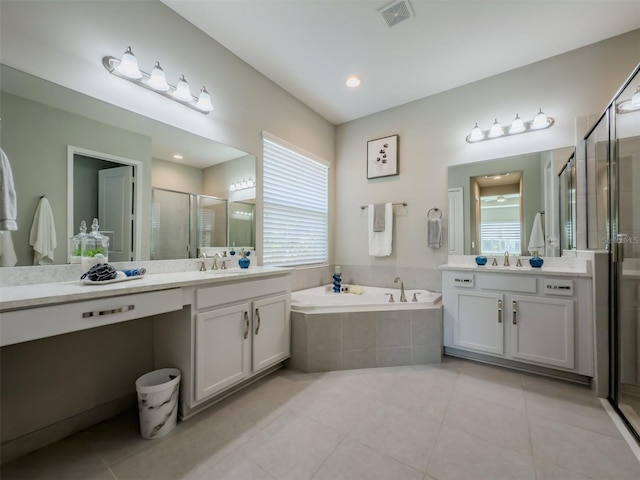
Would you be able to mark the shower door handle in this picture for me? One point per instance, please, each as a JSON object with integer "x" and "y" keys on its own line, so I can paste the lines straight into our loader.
{"x": 617, "y": 252}
{"x": 258, "y": 317}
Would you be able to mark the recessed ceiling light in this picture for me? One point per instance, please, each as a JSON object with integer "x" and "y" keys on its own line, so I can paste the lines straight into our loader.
{"x": 353, "y": 81}
{"x": 177, "y": 156}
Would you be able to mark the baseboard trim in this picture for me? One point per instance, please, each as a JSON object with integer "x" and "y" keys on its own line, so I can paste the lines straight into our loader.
{"x": 37, "y": 439}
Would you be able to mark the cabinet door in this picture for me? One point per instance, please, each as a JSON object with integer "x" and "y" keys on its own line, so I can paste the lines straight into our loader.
{"x": 478, "y": 322}
{"x": 541, "y": 330}
{"x": 271, "y": 331}
{"x": 222, "y": 349}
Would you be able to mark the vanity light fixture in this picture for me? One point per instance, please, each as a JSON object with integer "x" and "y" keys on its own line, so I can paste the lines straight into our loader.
{"x": 631, "y": 105}
{"x": 242, "y": 185}
{"x": 540, "y": 122}
{"x": 353, "y": 81}
{"x": 127, "y": 68}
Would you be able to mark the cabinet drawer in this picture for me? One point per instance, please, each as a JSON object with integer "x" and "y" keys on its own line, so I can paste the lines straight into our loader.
{"x": 33, "y": 323}
{"x": 507, "y": 283}
{"x": 240, "y": 291}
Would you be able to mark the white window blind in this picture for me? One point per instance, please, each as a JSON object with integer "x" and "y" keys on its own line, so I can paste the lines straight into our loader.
{"x": 295, "y": 205}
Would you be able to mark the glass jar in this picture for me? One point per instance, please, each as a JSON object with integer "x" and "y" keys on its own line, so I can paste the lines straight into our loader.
{"x": 536, "y": 261}
{"x": 75, "y": 244}
{"x": 94, "y": 247}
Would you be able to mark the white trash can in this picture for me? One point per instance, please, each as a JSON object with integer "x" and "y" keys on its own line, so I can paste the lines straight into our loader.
{"x": 158, "y": 393}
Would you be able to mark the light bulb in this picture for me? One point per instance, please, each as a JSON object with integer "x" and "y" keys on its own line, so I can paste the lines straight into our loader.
{"x": 496, "y": 130}
{"x": 517, "y": 126}
{"x": 476, "y": 134}
{"x": 182, "y": 90}
{"x": 158, "y": 80}
{"x": 129, "y": 65}
{"x": 353, "y": 81}
{"x": 251, "y": 183}
{"x": 500, "y": 199}
{"x": 540, "y": 121}
{"x": 238, "y": 186}
{"x": 232, "y": 187}
{"x": 204, "y": 101}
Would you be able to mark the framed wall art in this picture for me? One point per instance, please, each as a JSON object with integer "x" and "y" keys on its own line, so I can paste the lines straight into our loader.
{"x": 382, "y": 157}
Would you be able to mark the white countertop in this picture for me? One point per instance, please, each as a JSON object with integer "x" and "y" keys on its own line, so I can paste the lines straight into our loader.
{"x": 33, "y": 295}
{"x": 553, "y": 266}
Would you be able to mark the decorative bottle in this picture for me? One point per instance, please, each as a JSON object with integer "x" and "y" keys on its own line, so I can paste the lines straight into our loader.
{"x": 75, "y": 244}
{"x": 94, "y": 247}
{"x": 535, "y": 261}
{"x": 243, "y": 261}
{"x": 232, "y": 251}
{"x": 337, "y": 279}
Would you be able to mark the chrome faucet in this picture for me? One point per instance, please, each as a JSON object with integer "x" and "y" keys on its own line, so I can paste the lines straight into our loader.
{"x": 403, "y": 297}
{"x": 214, "y": 266}
{"x": 506, "y": 259}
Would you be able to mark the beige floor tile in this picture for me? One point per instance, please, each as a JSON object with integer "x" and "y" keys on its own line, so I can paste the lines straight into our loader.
{"x": 69, "y": 459}
{"x": 497, "y": 423}
{"x": 461, "y": 456}
{"x": 404, "y": 436}
{"x": 236, "y": 467}
{"x": 549, "y": 471}
{"x": 581, "y": 450}
{"x": 354, "y": 461}
{"x": 503, "y": 390}
{"x": 292, "y": 447}
{"x": 585, "y": 412}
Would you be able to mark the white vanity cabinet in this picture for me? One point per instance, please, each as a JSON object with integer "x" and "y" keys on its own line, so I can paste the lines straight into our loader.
{"x": 230, "y": 334}
{"x": 525, "y": 318}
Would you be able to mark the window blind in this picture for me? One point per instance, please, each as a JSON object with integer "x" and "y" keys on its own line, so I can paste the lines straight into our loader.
{"x": 295, "y": 205}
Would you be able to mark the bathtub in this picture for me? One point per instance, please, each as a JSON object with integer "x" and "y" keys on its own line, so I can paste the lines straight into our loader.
{"x": 374, "y": 299}
{"x": 342, "y": 331}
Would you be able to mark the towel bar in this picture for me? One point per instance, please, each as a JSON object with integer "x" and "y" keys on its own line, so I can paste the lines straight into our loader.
{"x": 404, "y": 204}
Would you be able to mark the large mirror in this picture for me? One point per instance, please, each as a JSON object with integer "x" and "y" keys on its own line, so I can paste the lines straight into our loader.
{"x": 511, "y": 204}
{"x": 62, "y": 144}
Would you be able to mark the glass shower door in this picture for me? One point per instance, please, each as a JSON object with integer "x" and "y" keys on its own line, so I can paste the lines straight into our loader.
{"x": 170, "y": 224}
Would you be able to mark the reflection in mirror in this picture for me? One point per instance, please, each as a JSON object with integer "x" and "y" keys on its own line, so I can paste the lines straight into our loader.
{"x": 597, "y": 151}
{"x": 494, "y": 205}
{"x": 242, "y": 232}
{"x": 40, "y": 120}
{"x": 567, "y": 179}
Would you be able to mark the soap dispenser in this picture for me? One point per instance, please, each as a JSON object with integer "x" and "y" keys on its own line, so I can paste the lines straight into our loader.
{"x": 75, "y": 244}
{"x": 94, "y": 247}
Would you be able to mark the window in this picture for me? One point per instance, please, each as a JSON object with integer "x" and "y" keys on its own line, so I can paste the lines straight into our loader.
{"x": 295, "y": 205}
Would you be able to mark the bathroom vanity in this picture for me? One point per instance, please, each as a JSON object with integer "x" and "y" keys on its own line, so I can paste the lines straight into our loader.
{"x": 221, "y": 329}
{"x": 527, "y": 318}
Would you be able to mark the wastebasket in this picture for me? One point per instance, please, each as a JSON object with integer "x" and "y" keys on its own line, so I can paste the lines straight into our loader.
{"x": 158, "y": 393}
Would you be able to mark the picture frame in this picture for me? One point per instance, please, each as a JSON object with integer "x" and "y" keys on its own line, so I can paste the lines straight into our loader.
{"x": 382, "y": 157}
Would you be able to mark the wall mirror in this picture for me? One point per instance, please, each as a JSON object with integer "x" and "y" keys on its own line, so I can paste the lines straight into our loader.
{"x": 494, "y": 205}
{"x": 40, "y": 120}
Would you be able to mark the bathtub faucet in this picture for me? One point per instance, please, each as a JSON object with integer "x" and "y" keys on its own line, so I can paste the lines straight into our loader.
{"x": 403, "y": 297}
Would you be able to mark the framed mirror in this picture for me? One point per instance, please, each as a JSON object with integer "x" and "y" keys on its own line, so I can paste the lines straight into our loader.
{"x": 507, "y": 204}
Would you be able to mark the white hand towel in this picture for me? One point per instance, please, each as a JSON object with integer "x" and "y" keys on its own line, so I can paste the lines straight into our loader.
{"x": 536, "y": 240}
{"x": 8, "y": 256}
{"x": 43, "y": 234}
{"x": 380, "y": 242}
{"x": 8, "y": 203}
{"x": 434, "y": 233}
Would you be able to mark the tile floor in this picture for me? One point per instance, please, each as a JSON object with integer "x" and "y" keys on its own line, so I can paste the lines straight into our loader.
{"x": 457, "y": 420}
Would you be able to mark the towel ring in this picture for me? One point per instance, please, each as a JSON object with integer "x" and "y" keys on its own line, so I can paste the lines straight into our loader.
{"x": 436, "y": 210}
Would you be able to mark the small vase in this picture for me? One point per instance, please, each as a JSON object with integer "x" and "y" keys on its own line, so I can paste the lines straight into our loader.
{"x": 481, "y": 260}
{"x": 337, "y": 282}
{"x": 244, "y": 262}
{"x": 536, "y": 261}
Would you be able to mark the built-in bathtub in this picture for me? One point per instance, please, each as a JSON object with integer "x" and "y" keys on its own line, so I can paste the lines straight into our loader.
{"x": 340, "y": 331}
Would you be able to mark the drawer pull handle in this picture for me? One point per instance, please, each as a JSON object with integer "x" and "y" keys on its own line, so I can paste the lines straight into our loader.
{"x": 246, "y": 327}
{"x": 258, "y": 317}
{"x": 514, "y": 304}
{"x": 499, "y": 311}
{"x": 102, "y": 313}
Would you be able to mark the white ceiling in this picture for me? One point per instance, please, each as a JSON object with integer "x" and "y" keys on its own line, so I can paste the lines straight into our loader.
{"x": 309, "y": 47}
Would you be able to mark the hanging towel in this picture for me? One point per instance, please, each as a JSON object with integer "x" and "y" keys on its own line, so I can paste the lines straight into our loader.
{"x": 8, "y": 202}
{"x": 378, "y": 217}
{"x": 380, "y": 242}
{"x": 434, "y": 232}
{"x": 8, "y": 256}
{"x": 43, "y": 234}
{"x": 536, "y": 241}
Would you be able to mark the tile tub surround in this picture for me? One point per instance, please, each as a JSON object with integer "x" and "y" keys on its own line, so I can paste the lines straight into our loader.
{"x": 342, "y": 341}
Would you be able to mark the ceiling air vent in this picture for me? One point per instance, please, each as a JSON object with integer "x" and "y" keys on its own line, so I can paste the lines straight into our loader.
{"x": 396, "y": 12}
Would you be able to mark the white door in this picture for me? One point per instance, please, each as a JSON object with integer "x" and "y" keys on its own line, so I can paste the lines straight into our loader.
{"x": 478, "y": 322}
{"x": 115, "y": 211}
{"x": 455, "y": 238}
{"x": 222, "y": 349}
{"x": 271, "y": 331}
{"x": 542, "y": 330}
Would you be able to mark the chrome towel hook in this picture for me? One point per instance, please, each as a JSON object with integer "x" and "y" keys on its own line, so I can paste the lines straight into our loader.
{"x": 436, "y": 211}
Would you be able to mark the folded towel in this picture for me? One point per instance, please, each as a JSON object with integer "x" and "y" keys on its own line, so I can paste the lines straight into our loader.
{"x": 434, "y": 232}
{"x": 43, "y": 234}
{"x": 378, "y": 217}
{"x": 536, "y": 240}
{"x": 380, "y": 242}
{"x": 8, "y": 202}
